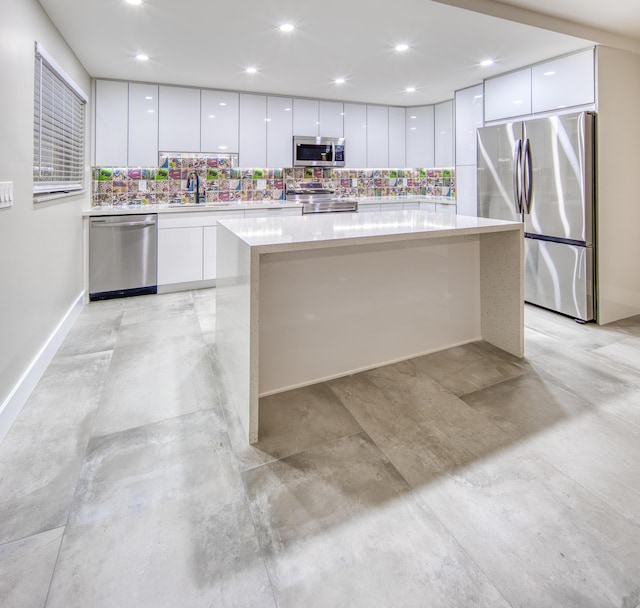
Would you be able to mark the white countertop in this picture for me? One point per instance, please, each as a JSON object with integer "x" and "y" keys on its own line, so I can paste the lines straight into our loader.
{"x": 203, "y": 207}
{"x": 313, "y": 231}
{"x": 242, "y": 205}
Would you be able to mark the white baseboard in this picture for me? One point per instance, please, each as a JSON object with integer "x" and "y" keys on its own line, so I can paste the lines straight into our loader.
{"x": 12, "y": 405}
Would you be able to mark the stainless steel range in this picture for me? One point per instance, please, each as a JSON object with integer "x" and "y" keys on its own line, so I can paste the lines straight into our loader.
{"x": 319, "y": 200}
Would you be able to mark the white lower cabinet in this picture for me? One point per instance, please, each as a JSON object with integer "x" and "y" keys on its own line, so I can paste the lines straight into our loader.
{"x": 179, "y": 255}
{"x": 427, "y": 206}
{"x": 187, "y": 242}
{"x": 209, "y": 237}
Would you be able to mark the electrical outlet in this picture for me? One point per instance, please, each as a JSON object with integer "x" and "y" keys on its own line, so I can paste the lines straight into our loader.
{"x": 6, "y": 194}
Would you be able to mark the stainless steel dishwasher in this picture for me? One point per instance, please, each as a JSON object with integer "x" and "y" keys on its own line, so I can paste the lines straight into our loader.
{"x": 123, "y": 253}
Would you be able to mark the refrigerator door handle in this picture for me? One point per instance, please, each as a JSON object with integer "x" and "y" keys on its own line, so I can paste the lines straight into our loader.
{"x": 527, "y": 177}
{"x": 517, "y": 176}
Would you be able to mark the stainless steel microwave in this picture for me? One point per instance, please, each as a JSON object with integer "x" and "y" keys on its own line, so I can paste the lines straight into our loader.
{"x": 318, "y": 151}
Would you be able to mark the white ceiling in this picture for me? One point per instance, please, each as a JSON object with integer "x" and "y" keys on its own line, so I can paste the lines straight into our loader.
{"x": 209, "y": 43}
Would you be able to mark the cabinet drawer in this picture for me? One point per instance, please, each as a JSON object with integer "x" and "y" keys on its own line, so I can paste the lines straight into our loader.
{"x": 368, "y": 208}
{"x": 269, "y": 211}
{"x": 198, "y": 218}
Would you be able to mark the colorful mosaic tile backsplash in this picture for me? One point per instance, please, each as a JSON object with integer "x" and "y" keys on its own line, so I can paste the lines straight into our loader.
{"x": 224, "y": 182}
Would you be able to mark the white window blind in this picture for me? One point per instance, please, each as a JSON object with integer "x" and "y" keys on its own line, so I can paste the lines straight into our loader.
{"x": 59, "y": 130}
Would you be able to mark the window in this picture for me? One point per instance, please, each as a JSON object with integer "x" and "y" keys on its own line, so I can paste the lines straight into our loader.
{"x": 59, "y": 131}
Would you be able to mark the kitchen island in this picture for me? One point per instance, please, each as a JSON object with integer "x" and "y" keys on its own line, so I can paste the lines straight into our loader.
{"x": 304, "y": 299}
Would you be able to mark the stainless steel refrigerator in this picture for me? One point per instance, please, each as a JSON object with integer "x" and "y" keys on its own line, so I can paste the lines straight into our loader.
{"x": 541, "y": 171}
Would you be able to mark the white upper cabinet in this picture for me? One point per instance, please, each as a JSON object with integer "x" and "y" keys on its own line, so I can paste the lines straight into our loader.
{"x": 355, "y": 135}
{"x": 112, "y": 115}
{"x": 331, "y": 119}
{"x": 279, "y": 132}
{"x": 253, "y": 130}
{"x": 179, "y": 119}
{"x": 219, "y": 121}
{"x": 306, "y": 117}
{"x": 443, "y": 138}
{"x": 469, "y": 110}
{"x": 562, "y": 83}
{"x": 508, "y": 96}
{"x": 397, "y": 137}
{"x": 143, "y": 125}
{"x": 377, "y": 136}
{"x": 419, "y": 136}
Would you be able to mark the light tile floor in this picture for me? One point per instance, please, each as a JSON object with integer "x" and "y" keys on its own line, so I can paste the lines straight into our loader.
{"x": 462, "y": 478}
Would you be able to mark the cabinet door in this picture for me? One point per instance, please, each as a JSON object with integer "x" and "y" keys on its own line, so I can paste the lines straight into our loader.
{"x": 377, "y": 136}
{"x": 112, "y": 116}
{"x": 179, "y": 255}
{"x": 331, "y": 119}
{"x": 508, "y": 96}
{"x": 467, "y": 189}
{"x": 279, "y": 132}
{"x": 443, "y": 138}
{"x": 355, "y": 135}
{"x": 397, "y": 137}
{"x": 562, "y": 83}
{"x": 143, "y": 125}
{"x": 219, "y": 121}
{"x": 419, "y": 132}
{"x": 179, "y": 124}
{"x": 209, "y": 234}
{"x": 427, "y": 207}
{"x": 305, "y": 117}
{"x": 253, "y": 130}
{"x": 469, "y": 110}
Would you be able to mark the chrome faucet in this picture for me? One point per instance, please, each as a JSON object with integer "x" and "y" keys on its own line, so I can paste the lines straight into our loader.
{"x": 193, "y": 185}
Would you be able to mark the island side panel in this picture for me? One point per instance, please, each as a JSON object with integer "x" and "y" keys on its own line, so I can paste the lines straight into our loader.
{"x": 502, "y": 289}
{"x": 334, "y": 311}
{"x": 235, "y": 342}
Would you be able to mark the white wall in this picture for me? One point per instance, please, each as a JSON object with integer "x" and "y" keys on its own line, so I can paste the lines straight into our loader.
{"x": 40, "y": 246}
{"x": 618, "y": 183}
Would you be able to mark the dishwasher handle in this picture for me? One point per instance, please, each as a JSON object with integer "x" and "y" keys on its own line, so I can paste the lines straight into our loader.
{"x": 105, "y": 224}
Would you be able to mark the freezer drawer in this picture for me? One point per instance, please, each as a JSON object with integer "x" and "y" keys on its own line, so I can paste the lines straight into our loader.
{"x": 122, "y": 256}
{"x": 559, "y": 277}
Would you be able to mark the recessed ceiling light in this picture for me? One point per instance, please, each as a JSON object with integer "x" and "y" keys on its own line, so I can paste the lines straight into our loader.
{"x": 549, "y": 73}
{"x": 410, "y": 89}
{"x": 212, "y": 115}
{"x": 150, "y": 111}
{"x": 222, "y": 147}
{"x": 287, "y": 109}
{"x": 486, "y": 62}
{"x": 516, "y": 101}
{"x": 287, "y": 27}
{"x": 251, "y": 70}
{"x": 134, "y": 2}
{"x": 413, "y": 117}
{"x": 402, "y": 47}
{"x": 339, "y": 81}
{"x": 222, "y": 103}
{"x": 142, "y": 57}
{"x": 148, "y": 97}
